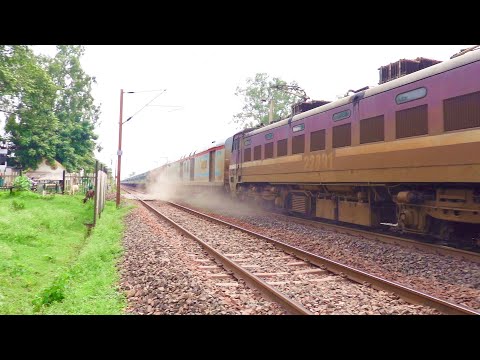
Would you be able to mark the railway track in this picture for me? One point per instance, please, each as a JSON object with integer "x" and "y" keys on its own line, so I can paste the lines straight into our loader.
{"x": 391, "y": 239}
{"x": 381, "y": 236}
{"x": 314, "y": 268}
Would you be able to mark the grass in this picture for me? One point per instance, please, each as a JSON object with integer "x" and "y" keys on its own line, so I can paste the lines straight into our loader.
{"x": 48, "y": 265}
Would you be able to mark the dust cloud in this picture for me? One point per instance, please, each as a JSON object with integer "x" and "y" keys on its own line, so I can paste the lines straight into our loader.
{"x": 162, "y": 190}
{"x": 223, "y": 203}
{"x": 214, "y": 199}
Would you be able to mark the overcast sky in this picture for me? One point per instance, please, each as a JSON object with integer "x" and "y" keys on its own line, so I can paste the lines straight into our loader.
{"x": 202, "y": 79}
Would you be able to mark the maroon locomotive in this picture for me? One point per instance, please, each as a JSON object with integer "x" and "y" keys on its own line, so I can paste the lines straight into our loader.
{"x": 405, "y": 152}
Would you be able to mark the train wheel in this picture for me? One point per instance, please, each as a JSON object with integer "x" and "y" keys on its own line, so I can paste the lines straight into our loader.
{"x": 446, "y": 230}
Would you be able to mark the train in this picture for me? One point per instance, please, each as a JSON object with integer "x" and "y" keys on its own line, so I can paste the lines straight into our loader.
{"x": 405, "y": 152}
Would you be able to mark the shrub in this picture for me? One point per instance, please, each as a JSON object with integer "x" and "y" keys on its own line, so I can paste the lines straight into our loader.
{"x": 55, "y": 292}
{"x": 22, "y": 183}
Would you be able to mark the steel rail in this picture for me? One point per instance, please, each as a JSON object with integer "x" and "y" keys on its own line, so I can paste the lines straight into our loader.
{"x": 385, "y": 238}
{"x": 292, "y": 306}
{"x": 391, "y": 239}
{"x": 406, "y": 293}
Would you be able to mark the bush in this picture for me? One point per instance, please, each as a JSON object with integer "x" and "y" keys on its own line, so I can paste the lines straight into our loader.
{"x": 22, "y": 183}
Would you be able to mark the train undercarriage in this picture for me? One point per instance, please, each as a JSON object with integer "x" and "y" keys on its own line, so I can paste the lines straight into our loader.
{"x": 450, "y": 213}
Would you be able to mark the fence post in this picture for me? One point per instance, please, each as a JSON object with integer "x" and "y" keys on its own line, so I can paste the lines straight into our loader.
{"x": 63, "y": 183}
{"x": 95, "y": 195}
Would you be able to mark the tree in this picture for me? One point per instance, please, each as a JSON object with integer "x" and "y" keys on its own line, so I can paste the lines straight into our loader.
{"x": 77, "y": 114}
{"x": 28, "y": 96}
{"x": 48, "y": 107}
{"x": 257, "y": 94}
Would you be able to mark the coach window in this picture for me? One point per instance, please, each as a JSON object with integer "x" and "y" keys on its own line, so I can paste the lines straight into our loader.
{"x": 345, "y": 114}
{"x": 269, "y": 136}
{"x": 247, "y": 142}
{"x": 411, "y": 95}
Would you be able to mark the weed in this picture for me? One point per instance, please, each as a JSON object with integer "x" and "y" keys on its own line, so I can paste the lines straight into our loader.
{"x": 55, "y": 292}
{"x": 49, "y": 258}
{"x": 18, "y": 205}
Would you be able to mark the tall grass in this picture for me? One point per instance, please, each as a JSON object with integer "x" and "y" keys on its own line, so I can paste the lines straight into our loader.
{"x": 48, "y": 265}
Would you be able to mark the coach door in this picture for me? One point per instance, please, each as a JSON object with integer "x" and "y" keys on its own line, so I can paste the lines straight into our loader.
{"x": 192, "y": 168}
{"x": 239, "y": 157}
{"x": 211, "y": 167}
{"x": 235, "y": 163}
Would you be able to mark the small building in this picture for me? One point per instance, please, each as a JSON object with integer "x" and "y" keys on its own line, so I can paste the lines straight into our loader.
{"x": 45, "y": 172}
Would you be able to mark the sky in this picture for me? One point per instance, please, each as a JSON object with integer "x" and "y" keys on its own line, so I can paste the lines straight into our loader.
{"x": 197, "y": 84}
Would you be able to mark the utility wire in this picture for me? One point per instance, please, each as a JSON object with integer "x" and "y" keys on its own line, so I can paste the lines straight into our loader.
{"x": 135, "y": 92}
{"x": 144, "y": 106}
{"x": 177, "y": 106}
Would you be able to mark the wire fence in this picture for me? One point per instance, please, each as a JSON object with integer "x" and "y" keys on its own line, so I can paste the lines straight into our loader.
{"x": 94, "y": 186}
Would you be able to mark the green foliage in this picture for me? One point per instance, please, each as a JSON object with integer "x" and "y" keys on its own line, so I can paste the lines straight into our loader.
{"x": 55, "y": 292}
{"x": 22, "y": 183}
{"x": 48, "y": 266}
{"x": 18, "y": 205}
{"x": 74, "y": 107}
{"x": 257, "y": 93}
{"x": 49, "y": 107}
{"x": 28, "y": 96}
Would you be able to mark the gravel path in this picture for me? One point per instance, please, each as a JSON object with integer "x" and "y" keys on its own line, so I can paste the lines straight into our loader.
{"x": 318, "y": 290}
{"x": 446, "y": 277}
{"x": 163, "y": 272}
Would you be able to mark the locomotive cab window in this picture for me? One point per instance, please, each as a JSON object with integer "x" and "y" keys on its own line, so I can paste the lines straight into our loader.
{"x": 236, "y": 143}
